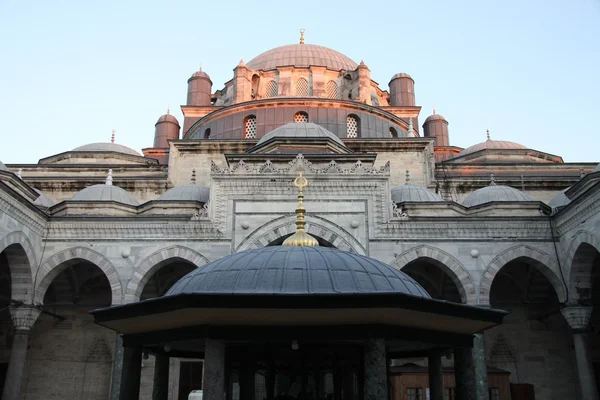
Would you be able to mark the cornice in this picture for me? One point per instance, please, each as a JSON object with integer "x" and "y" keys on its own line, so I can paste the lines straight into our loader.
{"x": 581, "y": 209}
{"x": 22, "y": 211}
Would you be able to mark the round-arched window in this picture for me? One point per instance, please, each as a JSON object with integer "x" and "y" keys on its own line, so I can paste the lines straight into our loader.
{"x": 301, "y": 117}
{"x": 207, "y": 133}
{"x": 352, "y": 126}
{"x": 302, "y": 88}
{"x": 271, "y": 89}
{"x": 393, "y": 132}
{"x": 250, "y": 127}
{"x": 331, "y": 90}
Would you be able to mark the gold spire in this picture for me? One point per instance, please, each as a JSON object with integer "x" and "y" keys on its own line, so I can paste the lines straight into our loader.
{"x": 301, "y": 36}
{"x": 300, "y": 238}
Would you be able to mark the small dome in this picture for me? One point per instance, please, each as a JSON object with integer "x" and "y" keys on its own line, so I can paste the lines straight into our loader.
{"x": 413, "y": 193}
{"x": 104, "y": 147}
{"x": 43, "y": 200}
{"x": 435, "y": 117}
{"x": 560, "y": 200}
{"x": 105, "y": 192}
{"x": 167, "y": 118}
{"x": 200, "y": 74}
{"x": 494, "y": 193}
{"x": 293, "y": 270}
{"x": 401, "y": 75}
{"x": 491, "y": 144}
{"x": 294, "y": 130}
{"x": 191, "y": 192}
{"x": 302, "y": 55}
{"x": 3, "y": 167}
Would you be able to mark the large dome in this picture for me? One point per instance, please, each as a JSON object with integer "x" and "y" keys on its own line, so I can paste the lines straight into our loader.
{"x": 293, "y": 270}
{"x": 494, "y": 193}
{"x": 104, "y": 147}
{"x": 307, "y": 130}
{"x": 491, "y": 145}
{"x": 302, "y": 55}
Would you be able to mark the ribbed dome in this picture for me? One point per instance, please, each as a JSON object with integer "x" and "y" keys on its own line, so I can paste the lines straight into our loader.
{"x": 400, "y": 75}
{"x": 494, "y": 193}
{"x": 296, "y": 270}
{"x": 43, "y": 200}
{"x": 435, "y": 117}
{"x": 191, "y": 192}
{"x": 200, "y": 74}
{"x": 294, "y": 130}
{"x": 117, "y": 148}
{"x": 560, "y": 200}
{"x": 3, "y": 167}
{"x": 491, "y": 144}
{"x": 167, "y": 118}
{"x": 413, "y": 193}
{"x": 302, "y": 55}
{"x": 105, "y": 192}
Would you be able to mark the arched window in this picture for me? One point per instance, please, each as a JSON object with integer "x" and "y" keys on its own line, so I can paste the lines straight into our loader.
{"x": 331, "y": 90}
{"x": 352, "y": 126}
{"x": 207, "y": 133}
{"x": 393, "y": 132}
{"x": 302, "y": 87}
{"x": 271, "y": 89}
{"x": 250, "y": 127}
{"x": 301, "y": 117}
{"x": 255, "y": 84}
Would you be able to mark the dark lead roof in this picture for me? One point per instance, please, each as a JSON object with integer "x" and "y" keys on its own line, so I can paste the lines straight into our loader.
{"x": 296, "y": 270}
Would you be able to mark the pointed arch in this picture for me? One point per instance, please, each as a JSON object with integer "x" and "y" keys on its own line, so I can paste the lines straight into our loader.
{"x": 22, "y": 261}
{"x": 317, "y": 226}
{"x": 540, "y": 260}
{"x": 450, "y": 265}
{"x": 154, "y": 262}
{"x": 58, "y": 263}
{"x": 579, "y": 262}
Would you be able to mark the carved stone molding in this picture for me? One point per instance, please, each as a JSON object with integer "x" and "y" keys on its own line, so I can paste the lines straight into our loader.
{"x": 573, "y": 215}
{"x": 578, "y": 317}
{"x": 21, "y": 214}
{"x": 24, "y": 316}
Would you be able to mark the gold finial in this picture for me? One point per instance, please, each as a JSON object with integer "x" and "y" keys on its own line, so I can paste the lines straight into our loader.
{"x": 112, "y": 138}
{"x": 302, "y": 36}
{"x": 300, "y": 238}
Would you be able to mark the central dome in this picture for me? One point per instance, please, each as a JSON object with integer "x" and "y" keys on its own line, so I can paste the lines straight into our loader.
{"x": 291, "y": 270}
{"x": 302, "y": 55}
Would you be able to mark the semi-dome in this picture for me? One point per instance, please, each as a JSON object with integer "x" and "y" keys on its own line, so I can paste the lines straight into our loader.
{"x": 491, "y": 144}
{"x": 305, "y": 130}
{"x": 105, "y": 192}
{"x": 104, "y": 147}
{"x": 293, "y": 270}
{"x": 302, "y": 55}
{"x": 43, "y": 200}
{"x": 494, "y": 193}
{"x": 190, "y": 192}
{"x": 560, "y": 200}
{"x": 3, "y": 167}
{"x": 413, "y": 193}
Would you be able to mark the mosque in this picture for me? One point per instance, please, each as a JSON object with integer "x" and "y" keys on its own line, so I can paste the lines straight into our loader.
{"x": 300, "y": 235}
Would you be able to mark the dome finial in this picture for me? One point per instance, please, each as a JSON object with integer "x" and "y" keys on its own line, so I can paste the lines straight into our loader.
{"x": 300, "y": 238}
{"x": 492, "y": 179}
{"x": 193, "y": 175}
{"x": 487, "y": 132}
{"x": 168, "y": 110}
{"x": 407, "y": 177}
{"x": 434, "y": 113}
{"x": 112, "y": 137}
{"x": 302, "y": 35}
{"x": 109, "y": 178}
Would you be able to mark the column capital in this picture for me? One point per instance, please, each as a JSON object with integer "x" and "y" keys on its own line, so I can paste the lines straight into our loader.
{"x": 24, "y": 316}
{"x": 578, "y": 317}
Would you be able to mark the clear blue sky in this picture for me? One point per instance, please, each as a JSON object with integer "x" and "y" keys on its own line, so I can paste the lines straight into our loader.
{"x": 71, "y": 71}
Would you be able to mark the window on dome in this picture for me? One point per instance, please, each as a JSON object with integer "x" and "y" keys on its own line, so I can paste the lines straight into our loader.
{"x": 331, "y": 90}
{"x": 207, "y": 134}
{"x": 393, "y": 132}
{"x": 302, "y": 88}
{"x": 271, "y": 89}
{"x": 250, "y": 127}
{"x": 301, "y": 117}
{"x": 352, "y": 126}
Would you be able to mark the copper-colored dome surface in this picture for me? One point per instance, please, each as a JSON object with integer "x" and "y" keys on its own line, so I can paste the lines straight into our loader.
{"x": 491, "y": 144}
{"x": 302, "y": 55}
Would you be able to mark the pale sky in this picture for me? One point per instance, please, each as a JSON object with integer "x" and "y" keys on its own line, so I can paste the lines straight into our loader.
{"x": 71, "y": 71}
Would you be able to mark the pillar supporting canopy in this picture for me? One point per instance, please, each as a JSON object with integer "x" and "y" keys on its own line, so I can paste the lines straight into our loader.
{"x": 24, "y": 316}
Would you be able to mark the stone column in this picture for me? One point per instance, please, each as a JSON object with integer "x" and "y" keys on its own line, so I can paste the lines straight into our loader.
{"x": 23, "y": 317}
{"x": 578, "y": 318}
{"x": 213, "y": 380}
{"x": 117, "y": 369}
{"x": 436, "y": 376}
{"x": 481, "y": 378}
{"x": 160, "y": 390}
{"x": 131, "y": 373}
{"x": 464, "y": 374}
{"x": 376, "y": 387}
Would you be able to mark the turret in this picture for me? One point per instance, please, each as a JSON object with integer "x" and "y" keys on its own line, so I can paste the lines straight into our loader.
{"x": 165, "y": 129}
{"x": 364, "y": 83}
{"x": 436, "y": 127}
{"x": 199, "y": 89}
{"x": 402, "y": 90}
